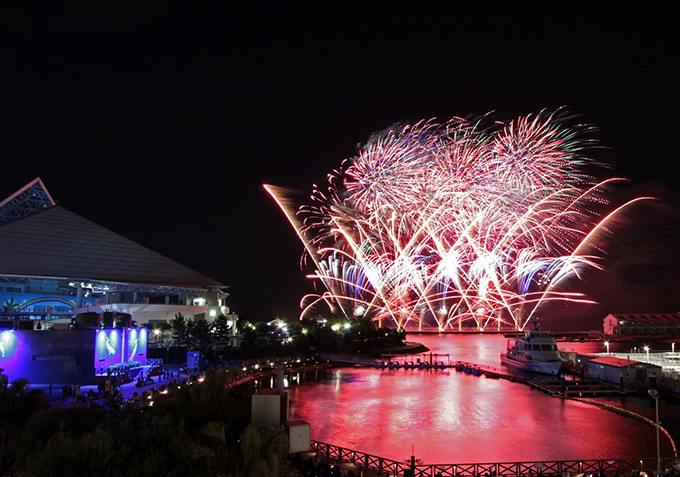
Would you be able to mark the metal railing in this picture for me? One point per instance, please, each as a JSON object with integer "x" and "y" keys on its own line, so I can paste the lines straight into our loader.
{"x": 388, "y": 467}
{"x": 154, "y": 362}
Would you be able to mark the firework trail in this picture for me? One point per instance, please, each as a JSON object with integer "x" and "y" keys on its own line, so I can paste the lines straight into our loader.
{"x": 439, "y": 224}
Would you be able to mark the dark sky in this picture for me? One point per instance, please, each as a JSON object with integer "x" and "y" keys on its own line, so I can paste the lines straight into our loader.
{"x": 161, "y": 120}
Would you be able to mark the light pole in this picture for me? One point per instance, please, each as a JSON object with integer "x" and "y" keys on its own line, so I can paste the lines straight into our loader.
{"x": 655, "y": 394}
{"x": 606, "y": 343}
{"x": 647, "y": 351}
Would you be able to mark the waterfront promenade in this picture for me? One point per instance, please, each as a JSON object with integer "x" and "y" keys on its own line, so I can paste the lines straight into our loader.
{"x": 175, "y": 374}
{"x": 126, "y": 391}
{"x": 368, "y": 465}
{"x": 361, "y": 463}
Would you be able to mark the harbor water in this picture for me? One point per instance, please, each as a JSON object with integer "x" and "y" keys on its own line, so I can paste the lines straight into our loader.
{"x": 446, "y": 416}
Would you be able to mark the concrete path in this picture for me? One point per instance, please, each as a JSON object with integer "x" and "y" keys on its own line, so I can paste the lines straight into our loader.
{"x": 126, "y": 390}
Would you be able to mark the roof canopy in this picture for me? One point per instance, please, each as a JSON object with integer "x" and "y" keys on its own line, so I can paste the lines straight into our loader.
{"x": 48, "y": 241}
{"x": 613, "y": 361}
{"x": 647, "y": 317}
{"x": 31, "y": 198}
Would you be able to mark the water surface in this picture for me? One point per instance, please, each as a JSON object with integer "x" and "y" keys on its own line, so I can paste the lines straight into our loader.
{"x": 451, "y": 417}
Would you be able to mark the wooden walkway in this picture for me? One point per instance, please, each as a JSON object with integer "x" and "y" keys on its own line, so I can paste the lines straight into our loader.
{"x": 583, "y": 387}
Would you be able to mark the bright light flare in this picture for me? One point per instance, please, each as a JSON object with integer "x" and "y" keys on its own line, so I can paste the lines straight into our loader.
{"x": 439, "y": 224}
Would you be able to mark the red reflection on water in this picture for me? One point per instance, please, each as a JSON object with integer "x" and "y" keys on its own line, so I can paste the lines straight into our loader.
{"x": 452, "y": 417}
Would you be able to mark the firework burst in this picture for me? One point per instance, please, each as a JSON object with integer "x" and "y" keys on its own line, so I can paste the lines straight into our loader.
{"x": 445, "y": 224}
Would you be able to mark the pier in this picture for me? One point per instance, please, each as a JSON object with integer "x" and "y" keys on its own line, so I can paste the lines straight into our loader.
{"x": 583, "y": 387}
{"x": 293, "y": 370}
{"x": 571, "y": 385}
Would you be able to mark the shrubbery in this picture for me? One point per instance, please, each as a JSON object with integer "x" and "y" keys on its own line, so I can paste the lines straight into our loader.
{"x": 123, "y": 367}
{"x": 199, "y": 429}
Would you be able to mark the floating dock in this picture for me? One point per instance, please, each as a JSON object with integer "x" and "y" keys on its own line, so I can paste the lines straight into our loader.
{"x": 569, "y": 386}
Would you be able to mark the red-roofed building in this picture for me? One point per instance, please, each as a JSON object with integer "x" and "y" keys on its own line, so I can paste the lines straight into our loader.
{"x": 642, "y": 324}
{"x": 617, "y": 370}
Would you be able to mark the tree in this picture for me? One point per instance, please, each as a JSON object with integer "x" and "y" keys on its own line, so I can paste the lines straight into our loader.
{"x": 261, "y": 453}
{"x": 122, "y": 446}
{"x": 66, "y": 453}
{"x": 323, "y": 338}
{"x": 214, "y": 451}
{"x": 204, "y": 427}
{"x": 264, "y": 454}
{"x": 16, "y": 407}
{"x": 199, "y": 335}
{"x": 221, "y": 332}
{"x": 262, "y": 339}
{"x": 208, "y": 401}
{"x": 42, "y": 426}
{"x": 152, "y": 331}
{"x": 180, "y": 331}
{"x": 11, "y": 305}
{"x": 163, "y": 328}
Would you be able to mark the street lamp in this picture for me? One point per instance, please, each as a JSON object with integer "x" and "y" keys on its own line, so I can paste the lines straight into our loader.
{"x": 606, "y": 343}
{"x": 647, "y": 350}
{"x": 655, "y": 394}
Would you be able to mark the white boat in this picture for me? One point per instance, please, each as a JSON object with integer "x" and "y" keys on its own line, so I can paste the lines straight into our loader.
{"x": 536, "y": 352}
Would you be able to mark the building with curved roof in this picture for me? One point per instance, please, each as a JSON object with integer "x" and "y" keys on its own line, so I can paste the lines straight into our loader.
{"x": 90, "y": 287}
{"x": 55, "y": 264}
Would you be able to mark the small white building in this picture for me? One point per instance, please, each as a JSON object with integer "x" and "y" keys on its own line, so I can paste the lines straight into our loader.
{"x": 620, "y": 370}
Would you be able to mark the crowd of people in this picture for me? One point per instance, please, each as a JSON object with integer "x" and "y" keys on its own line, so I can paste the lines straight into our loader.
{"x": 111, "y": 394}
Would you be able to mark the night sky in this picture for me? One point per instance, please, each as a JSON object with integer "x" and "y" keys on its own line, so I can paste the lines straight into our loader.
{"x": 161, "y": 120}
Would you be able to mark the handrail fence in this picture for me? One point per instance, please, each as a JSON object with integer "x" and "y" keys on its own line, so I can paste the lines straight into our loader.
{"x": 388, "y": 467}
